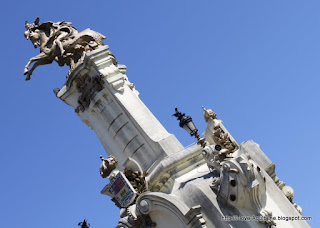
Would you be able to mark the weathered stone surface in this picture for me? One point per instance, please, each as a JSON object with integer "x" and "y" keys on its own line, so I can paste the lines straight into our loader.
{"x": 111, "y": 106}
{"x": 181, "y": 188}
{"x": 155, "y": 181}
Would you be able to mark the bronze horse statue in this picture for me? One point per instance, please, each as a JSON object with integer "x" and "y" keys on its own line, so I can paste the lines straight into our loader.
{"x": 59, "y": 42}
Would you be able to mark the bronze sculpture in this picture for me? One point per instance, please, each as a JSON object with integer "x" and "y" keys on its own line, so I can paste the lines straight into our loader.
{"x": 60, "y": 42}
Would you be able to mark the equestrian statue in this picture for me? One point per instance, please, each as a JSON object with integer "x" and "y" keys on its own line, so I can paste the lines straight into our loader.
{"x": 60, "y": 42}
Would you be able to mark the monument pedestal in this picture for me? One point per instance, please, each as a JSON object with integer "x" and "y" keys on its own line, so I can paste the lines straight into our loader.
{"x": 173, "y": 186}
{"x": 105, "y": 100}
{"x": 153, "y": 179}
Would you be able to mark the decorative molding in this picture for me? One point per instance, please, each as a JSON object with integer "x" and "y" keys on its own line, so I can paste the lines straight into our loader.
{"x": 117, "y": 82}
{"x": 168, "y": 205}
{"x": 181, "y": 162}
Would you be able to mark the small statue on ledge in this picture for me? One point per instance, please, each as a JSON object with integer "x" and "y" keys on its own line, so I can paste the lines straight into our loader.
{"x": 60, "y": 42}
{"x": 107, "y": 165}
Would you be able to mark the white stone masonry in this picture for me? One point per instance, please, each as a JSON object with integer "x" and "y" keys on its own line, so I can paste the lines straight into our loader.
{"x": 125, "y": 126}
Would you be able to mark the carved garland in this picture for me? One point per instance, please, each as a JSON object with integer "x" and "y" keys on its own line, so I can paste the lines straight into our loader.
{"x": 222, "y": 138}
{"x": 136, "y": 179}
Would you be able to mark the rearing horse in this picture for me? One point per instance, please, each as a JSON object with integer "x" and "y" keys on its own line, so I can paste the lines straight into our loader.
{"x": 59, "y": 42}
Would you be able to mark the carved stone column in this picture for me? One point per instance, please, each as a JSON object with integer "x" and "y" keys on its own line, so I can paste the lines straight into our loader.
{"x": 105, "y": 100}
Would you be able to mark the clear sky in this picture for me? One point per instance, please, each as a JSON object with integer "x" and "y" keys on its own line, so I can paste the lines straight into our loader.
{"x": 255, "y": 63}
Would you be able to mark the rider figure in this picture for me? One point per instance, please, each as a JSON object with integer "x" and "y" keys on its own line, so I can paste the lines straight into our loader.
{"x": 61, "y": 31}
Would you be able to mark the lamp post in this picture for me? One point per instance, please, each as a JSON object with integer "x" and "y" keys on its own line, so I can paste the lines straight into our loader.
{"x": 186, "y": 123}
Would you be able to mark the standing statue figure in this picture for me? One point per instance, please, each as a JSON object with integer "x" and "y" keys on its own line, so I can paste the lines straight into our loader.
{"x": 108, "y": 165}
{"x": 60, "y": 42}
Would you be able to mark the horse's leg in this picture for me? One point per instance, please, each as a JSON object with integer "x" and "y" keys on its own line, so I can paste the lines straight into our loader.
{"x": 39, "y": 63}
{"x": 31, "y": 60}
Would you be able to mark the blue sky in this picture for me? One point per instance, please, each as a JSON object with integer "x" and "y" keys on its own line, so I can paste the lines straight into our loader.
{"x": 255, "y": 63}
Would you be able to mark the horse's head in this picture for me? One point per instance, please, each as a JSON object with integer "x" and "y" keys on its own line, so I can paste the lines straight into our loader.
{"x": 33, "y": 32}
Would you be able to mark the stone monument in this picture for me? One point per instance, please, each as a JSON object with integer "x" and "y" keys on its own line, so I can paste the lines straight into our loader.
{"x": 153, "y": 179}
